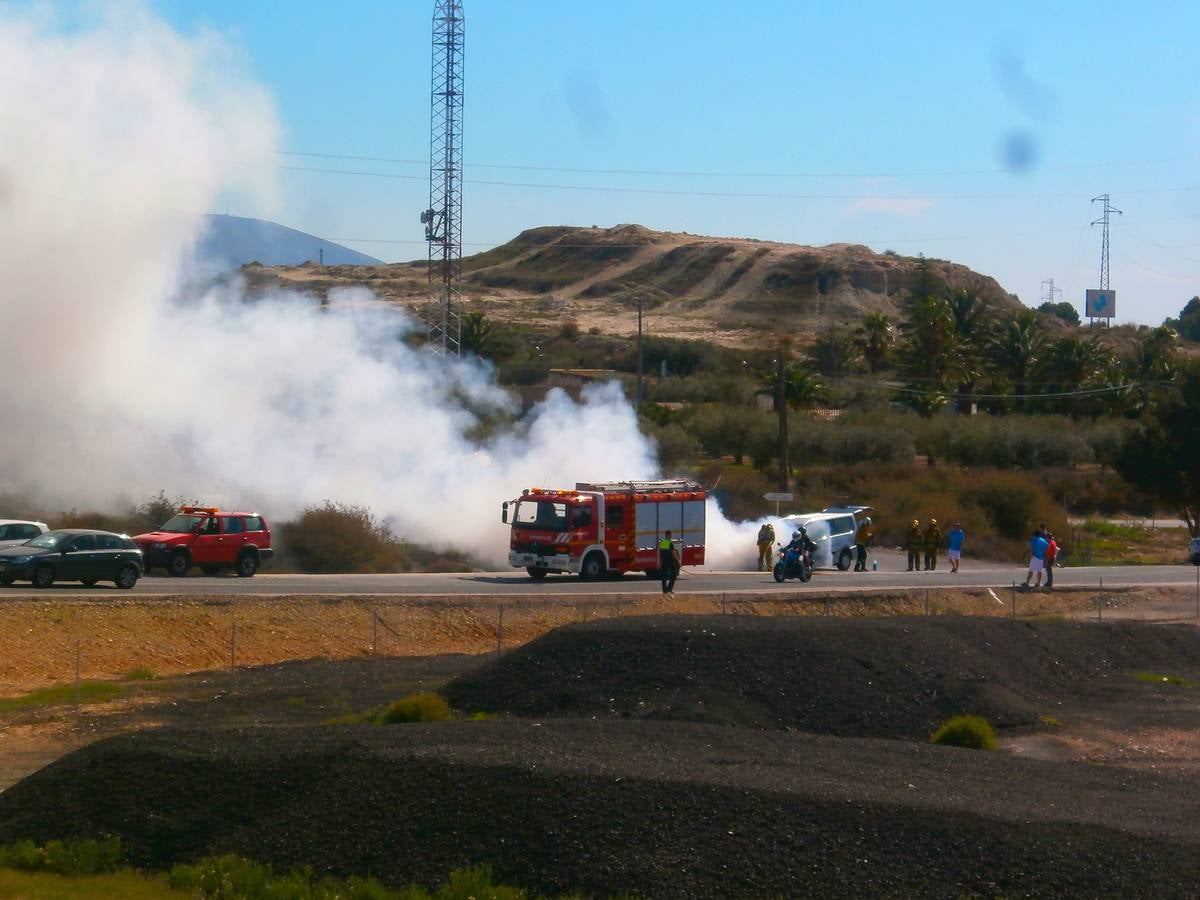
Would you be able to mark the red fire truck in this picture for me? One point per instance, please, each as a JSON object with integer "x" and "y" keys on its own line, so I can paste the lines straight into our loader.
{"x": 605, "y": 528}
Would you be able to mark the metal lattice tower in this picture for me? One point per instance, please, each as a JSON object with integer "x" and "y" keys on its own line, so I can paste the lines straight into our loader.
{"x": 1051, "y": 293}
{"x": 1103, "y": 220}
{"x": 443, "y": 218}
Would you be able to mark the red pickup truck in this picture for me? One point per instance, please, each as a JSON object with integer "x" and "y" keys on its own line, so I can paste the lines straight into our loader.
{"x": 211, "y": 538}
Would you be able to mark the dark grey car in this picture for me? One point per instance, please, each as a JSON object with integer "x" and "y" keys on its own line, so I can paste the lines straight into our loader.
{"x": 73, "y": 554}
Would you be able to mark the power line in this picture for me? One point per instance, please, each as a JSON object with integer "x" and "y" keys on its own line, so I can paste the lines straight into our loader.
{"x": 687, "y": 173}
{"x": 772, "y": 195}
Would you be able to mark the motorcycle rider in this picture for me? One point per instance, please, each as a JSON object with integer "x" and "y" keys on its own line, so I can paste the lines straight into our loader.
{"x": 801, "y": 542}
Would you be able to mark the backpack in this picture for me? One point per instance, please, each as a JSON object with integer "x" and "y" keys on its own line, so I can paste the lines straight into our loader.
{"x": 766, "y": 534}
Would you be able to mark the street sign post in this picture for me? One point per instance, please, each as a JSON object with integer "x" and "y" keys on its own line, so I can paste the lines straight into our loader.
{"x": 778, "y": 497}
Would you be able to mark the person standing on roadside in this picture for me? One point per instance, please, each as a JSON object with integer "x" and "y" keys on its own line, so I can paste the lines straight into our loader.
{"x": 862, "y": 540}
{"x": 1050, "y": 559}
{"x": 933, "y": 542}
{"x": 914, "y": 544}
{"x": 1037, "y": 558}
{"x": 668, "y": 563}
{"x": 766, "y": 541}
{"x": 954, "y": 542}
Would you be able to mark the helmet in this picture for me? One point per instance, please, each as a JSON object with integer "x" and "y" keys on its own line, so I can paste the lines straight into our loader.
{"x": 799, "y": 533}
{"x": 803, "y": 530}
{"x": 933, "y": 521}
{"x": 916, "y": 523}
{"x": 867, "y": 520}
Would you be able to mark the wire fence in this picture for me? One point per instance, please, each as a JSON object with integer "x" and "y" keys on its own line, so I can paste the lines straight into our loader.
{"x": 65, "y": 644}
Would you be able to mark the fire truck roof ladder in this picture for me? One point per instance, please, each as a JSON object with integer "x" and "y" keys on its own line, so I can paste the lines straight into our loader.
{"x": 680, "y": 485}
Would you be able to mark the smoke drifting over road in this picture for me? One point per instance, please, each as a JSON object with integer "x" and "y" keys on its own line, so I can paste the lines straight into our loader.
{"x": 123, "y": 381}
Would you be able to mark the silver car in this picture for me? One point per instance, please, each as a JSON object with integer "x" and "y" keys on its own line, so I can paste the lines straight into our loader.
{"x": 14, "y": 532}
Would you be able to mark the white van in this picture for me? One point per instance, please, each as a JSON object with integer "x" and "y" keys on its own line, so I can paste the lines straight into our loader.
{"x": 832, "y": 530}
{"x": 1194, "y": 551}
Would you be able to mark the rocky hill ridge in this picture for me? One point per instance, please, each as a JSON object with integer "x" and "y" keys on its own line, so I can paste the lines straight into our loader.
{"x": 724, "y": 289}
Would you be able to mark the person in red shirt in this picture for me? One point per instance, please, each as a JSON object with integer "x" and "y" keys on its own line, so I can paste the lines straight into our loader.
{"x": 1051, "y": 559}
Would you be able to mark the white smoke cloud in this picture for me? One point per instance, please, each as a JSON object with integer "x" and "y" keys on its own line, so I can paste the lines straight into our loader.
{"x": 123, "y": 381}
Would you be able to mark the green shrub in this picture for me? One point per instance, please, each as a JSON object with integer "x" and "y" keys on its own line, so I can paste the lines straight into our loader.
{"x": 677, "y": 450}
{"x": 62, "y": 695}
{"x": 140, "y": 673}
{"x": 86, "y": 857}
{"x": 232, "y": 877}
{"x": 1159, "y": 678}
{"x": 973, "y": 732}
{"x": 477, "y": 884}
{"x": 340, "y": 537}
{"x": 420, "y": 707}
{"x": 1112, "y": 529}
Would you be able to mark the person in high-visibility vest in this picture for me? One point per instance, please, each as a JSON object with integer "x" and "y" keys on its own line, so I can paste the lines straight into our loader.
{"x": 668, "y": 563}
{"x": 766, "y": 541}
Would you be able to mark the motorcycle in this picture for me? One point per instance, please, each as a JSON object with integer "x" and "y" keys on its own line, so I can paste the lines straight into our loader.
{"x": 793, "y": 564}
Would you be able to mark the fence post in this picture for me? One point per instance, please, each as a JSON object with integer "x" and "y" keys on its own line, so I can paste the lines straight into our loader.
{"x": 374, "y": 632}
{"x": 233, "y": 647}
{"x": 926, "y": 601}
{"x": 500, "y": 629}
{"x": 77, "y": 666}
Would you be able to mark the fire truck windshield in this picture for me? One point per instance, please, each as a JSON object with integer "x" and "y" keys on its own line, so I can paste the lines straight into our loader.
{"x": 544, "y": 515}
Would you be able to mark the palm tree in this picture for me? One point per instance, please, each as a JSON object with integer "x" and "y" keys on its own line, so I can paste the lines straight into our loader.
{"x": 876, "y": 337}
{"x": 1154, "y": 360}
{"x": 477, "y": 336}
{"x": 801, "y": 388}
{"x": 975, "y": 327}
{"x": 1018, "y": 350}
{"x": 929, "y": 353}
{"x": 1075, "y": 363}
{"x": 835, "y": 353}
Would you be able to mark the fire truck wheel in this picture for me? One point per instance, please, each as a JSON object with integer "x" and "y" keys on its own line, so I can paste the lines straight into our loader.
{"x": 536, "y": 572}
{"x": 593, "y": 567}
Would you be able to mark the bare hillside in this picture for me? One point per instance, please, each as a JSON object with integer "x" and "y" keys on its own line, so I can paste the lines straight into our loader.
{"x": 725, "y": 289}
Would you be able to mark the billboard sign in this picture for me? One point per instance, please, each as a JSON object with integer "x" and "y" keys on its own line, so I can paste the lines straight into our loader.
{"x": 1101, "y": 304}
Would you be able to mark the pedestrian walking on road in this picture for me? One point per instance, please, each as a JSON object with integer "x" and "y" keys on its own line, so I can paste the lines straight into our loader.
{"x": 954, "y": 542}
{"x": 862, "y": 540}
{"x": 668, "y": 563}
{"x": 933, "y": 543}
{"x": 1050, "y": 560}
{"x": 766, "y": 541}
{"x": 914, "y": 545}
{"x": 1037, "y": 558}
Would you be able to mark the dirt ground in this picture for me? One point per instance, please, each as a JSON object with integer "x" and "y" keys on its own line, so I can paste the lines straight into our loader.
{"x": 599, "y": 777}
{"x": 303, "y": 659}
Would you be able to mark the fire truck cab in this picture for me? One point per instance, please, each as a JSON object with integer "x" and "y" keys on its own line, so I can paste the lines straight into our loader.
{"x": 605, "y": 528}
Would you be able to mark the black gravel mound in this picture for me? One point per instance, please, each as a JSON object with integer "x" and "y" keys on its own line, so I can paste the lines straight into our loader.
{"x": 895, "y": 677}
{"x": 660, "y": 809}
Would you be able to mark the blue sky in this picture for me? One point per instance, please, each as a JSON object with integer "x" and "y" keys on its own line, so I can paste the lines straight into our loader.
{"x": 918, "y": 127}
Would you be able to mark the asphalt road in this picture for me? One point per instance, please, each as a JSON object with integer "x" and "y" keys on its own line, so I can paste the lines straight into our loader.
{"x": 890, "y": 576}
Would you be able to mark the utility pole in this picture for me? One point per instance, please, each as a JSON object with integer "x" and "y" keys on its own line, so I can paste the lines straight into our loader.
{"x": 639, "y": 354}
{"x": 781, "y": 408}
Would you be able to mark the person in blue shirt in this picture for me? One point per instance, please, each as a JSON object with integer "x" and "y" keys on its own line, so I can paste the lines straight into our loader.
{"x": 954, "y": 542}
{"x": 1037, "y": 558}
